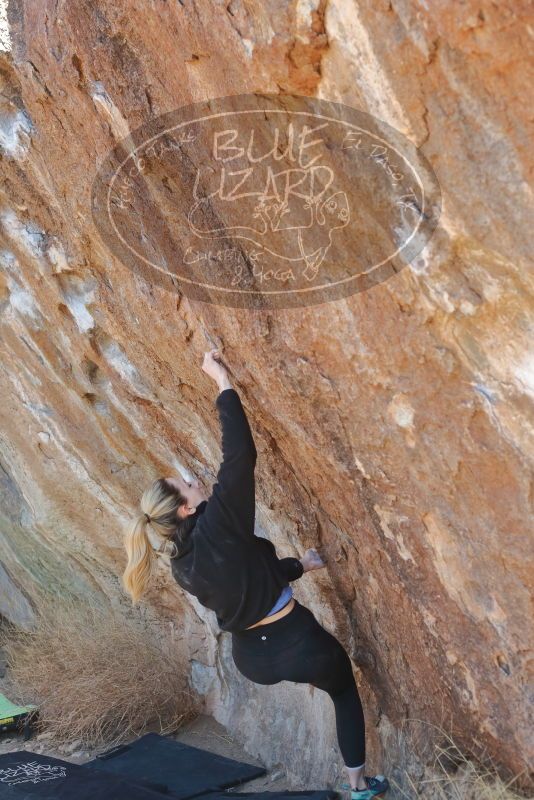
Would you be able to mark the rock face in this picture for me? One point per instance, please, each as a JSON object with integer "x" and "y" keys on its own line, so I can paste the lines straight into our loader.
{"x": 393, "y": 427}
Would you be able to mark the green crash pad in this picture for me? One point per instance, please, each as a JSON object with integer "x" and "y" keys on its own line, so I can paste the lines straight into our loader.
{"x": 11, "y": 715}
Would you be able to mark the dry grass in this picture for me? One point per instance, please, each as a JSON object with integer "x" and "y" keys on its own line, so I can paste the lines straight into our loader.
{"x": 98, "y": 676}
{"x": 452, "y": 774}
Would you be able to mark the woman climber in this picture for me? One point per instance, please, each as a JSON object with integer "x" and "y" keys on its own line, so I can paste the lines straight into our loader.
{"x": 215, "y": 555}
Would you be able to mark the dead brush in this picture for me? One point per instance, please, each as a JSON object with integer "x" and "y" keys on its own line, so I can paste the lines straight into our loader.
{"x": 450, "y": 773}
{"x": 98, "y": 676}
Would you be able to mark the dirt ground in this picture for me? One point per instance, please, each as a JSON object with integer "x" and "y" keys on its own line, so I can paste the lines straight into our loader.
{"x": 204, "y": 732}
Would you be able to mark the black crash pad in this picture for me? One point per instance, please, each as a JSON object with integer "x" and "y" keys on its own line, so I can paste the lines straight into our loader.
{"x": 319, "y": 794}
{"x": 26, "y": 776}
{"x": 186, "y": 771}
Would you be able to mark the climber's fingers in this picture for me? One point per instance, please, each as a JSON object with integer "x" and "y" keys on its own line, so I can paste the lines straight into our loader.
{"x": 213, "y": 364}
{"x": 314, "y": 559}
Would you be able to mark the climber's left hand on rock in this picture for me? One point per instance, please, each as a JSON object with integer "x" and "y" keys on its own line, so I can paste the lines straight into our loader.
{"x": 312, "y": 560}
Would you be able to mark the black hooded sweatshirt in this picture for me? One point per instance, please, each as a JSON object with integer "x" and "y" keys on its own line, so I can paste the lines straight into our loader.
{"x": 220, "y": 560}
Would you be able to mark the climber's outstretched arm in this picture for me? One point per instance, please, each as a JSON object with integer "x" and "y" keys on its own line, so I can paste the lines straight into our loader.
{"x": 230, "y": 511}
{"x": 238, "y": 449}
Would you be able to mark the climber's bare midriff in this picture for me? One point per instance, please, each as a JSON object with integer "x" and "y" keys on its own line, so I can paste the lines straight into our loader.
{"x": 273, "y": 617}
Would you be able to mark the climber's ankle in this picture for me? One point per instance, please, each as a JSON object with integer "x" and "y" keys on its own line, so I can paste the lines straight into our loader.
{"x": 356, "y": 776}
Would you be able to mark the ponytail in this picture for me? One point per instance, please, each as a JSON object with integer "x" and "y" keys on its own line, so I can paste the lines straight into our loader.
{"x": 163, "y": 500}
{"x": 140, "y": 559}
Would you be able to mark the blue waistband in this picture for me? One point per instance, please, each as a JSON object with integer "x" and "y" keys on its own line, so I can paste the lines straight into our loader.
{"x": 285, "y": 597}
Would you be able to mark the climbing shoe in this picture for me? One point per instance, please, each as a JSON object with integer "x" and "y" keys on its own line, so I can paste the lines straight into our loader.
{"x": 377, "y": 785}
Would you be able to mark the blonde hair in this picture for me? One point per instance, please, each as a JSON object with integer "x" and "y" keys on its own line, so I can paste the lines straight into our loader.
{"x": 160, "y": 502}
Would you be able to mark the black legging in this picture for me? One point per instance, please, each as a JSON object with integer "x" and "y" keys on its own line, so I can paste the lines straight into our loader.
{"x": 297, "y": 648}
